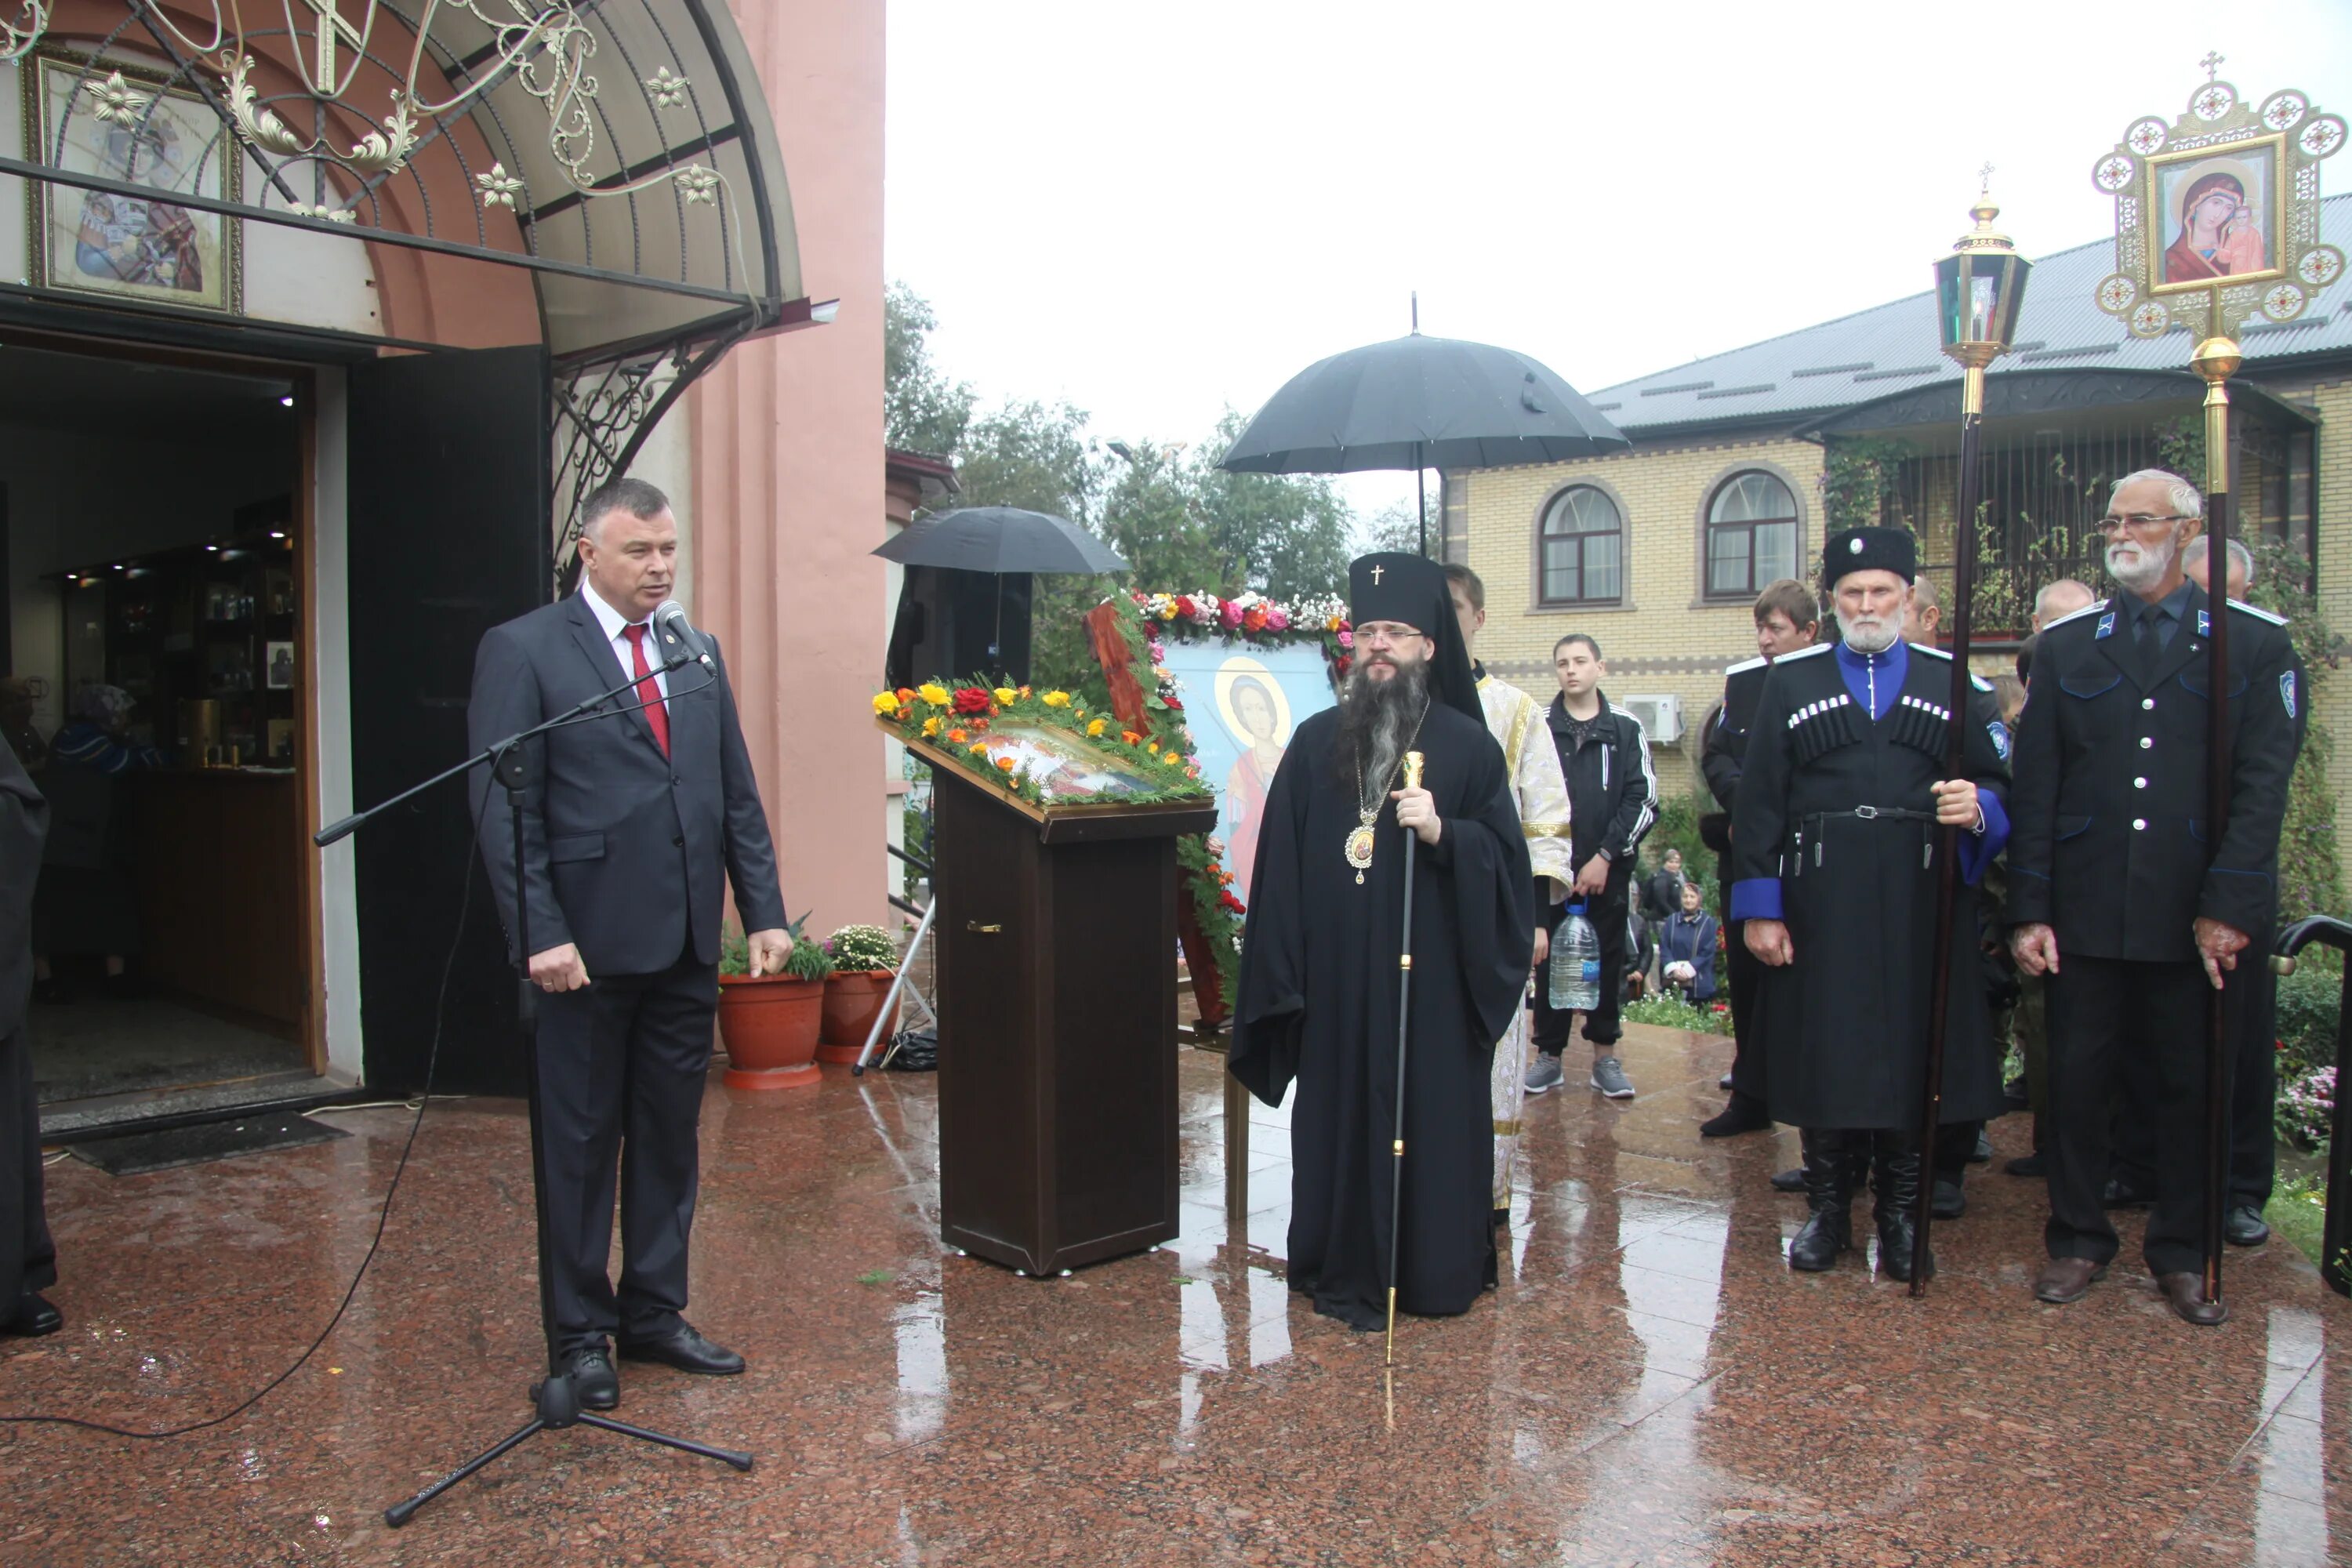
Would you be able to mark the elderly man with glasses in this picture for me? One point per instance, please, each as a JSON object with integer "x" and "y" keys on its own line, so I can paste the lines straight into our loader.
{"x": 2118, "y": 891}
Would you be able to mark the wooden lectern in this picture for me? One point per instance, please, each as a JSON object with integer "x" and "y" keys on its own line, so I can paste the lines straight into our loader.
{"x": 1058, "y": 1022}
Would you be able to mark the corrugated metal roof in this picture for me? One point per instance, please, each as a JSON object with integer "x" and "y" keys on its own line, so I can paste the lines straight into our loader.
{"x": 1890, "y": 349}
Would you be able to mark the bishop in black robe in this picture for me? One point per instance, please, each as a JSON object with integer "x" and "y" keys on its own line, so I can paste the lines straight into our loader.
{"x": 1318, "y": 991}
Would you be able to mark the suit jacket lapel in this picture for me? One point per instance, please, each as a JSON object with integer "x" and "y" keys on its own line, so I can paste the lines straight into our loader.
{"x": 2187, "y": 642}
{"x": 605, "y": 659}
{"x": 2120, "y": 646}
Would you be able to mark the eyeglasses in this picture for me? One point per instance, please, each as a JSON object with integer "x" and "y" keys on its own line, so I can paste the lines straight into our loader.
{"x": 1385, "y": 634}
{"x": 2108, "y": 524}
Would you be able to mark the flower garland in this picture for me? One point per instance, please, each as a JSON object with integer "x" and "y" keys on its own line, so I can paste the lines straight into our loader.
{"x": 956, "y": 722}
{"x": 1147, "y": 621}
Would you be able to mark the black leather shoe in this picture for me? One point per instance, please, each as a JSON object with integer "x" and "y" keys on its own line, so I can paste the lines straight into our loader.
{"x": 1745, "y": 1113}
{"x": 1950, "y": 1201}
{"x": 1723, "y": 1082}
{"x": 33, "y": 1317}
{"x": 2244, "y": 1227}
{"x": 687, "y": 1351}
{"x": 2027, "y": 1165}
{"x": 2122, "y": 1193}
{"x": 594, "y": 1383}
{"x": 2185, "y": 1293}
{"x": 1792, "y": 1180}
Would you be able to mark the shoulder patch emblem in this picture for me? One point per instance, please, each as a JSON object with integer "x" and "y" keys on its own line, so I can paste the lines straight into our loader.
{"x": 2204, "y": 624}
{"x": 2286, "y": 690}
{"x": 2107, "y": 625}
{"x": 1999, "y": 733}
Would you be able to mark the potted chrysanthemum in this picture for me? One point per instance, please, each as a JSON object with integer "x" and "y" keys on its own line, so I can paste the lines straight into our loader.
{"x": 771, "y": 1023}
{"x": 865, "y": 961}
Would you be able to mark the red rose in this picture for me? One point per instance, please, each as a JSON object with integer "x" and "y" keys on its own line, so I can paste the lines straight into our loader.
{"x": 1184, "y": 606}
{"x": 1340, "y": 666}
{"x": 1173, "y": 703}
{"x": 1226, "y": 899}
{"x": 970, "y": 699}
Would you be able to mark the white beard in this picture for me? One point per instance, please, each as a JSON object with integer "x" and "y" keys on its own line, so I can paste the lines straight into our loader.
{"x": 1876, "y": 637}
{"x": 2144, "y": 565}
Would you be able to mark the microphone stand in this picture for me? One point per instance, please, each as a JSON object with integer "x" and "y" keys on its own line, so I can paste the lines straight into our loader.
{"x": 556, "y": 1403}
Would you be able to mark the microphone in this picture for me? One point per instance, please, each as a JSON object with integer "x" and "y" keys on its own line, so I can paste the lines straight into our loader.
{"x": 670, "y": 619}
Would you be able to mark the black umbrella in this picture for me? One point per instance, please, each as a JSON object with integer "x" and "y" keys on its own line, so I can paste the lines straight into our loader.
{"x": 1002, "y": 538}
{"x": 1417, "y": 402}
{"x": 998, "y": 540}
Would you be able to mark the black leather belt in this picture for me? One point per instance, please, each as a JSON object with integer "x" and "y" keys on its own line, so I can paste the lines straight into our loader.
{"x": 1872, "y": 813}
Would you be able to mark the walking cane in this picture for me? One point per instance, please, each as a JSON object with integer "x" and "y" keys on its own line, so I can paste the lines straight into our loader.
{"x": 1404, "y": 1023}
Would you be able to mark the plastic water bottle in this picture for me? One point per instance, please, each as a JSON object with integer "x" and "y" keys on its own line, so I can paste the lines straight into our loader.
{"x": 1575, "y": 964}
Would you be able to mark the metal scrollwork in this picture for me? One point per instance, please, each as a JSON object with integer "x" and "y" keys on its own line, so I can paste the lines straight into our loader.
{"x": 377, "y": 153}
{"x": 20, "y": 32}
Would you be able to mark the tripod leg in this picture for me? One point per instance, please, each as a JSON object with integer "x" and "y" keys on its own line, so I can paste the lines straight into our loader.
{"x": 741, "y": 1460}
{"x": 400, "y": 1513}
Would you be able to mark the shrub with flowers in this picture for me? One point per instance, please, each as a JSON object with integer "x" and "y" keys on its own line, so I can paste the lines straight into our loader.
{"x": 2306, "y": 1114}
{"x": 962, "y": 716}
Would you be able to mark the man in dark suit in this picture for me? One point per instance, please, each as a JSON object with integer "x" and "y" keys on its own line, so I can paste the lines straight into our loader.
{"x": 28, "y": 1258}
{"x": 2117, "y": 890}
{"x": 629, "y": 824}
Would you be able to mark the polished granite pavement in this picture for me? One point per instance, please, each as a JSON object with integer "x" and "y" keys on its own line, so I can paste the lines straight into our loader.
{"x": 1650, "y": 1386}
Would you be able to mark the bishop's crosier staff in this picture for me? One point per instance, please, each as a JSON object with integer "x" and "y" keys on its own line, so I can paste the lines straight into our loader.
{"x": 1980, "y": 290}
{"x": 1413, "y": 760}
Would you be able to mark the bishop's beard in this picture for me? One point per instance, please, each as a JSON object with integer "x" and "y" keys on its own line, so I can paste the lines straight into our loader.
{"x": 1378, "y": 720}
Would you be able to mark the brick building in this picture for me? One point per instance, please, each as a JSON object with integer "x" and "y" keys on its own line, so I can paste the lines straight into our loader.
{"x": 1741, "y": 462}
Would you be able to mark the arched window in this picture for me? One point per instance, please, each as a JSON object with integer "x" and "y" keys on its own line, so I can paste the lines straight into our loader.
{"x": 1583, "y": 546}
{"x": 1752, "y": 535}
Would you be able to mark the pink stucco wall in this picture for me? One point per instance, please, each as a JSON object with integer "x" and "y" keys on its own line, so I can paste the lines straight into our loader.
{"x": 788, "y": 473}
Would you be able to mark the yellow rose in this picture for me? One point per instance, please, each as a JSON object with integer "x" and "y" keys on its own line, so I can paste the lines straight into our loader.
{"x": 1055, "y": 700}
{"x": 885, "y": 702}
{"x": 979, "y": 748}
{"x": 932, "y": 726}
{"x": 1094, "y": 726}
{"x": 933, "y": 693}
{"x": 1005, "y": 696}
{"x": 1169, "y": 614}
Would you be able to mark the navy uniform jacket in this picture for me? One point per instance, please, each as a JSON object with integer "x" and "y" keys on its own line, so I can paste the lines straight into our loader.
{"x": 1833, "y": 834}
{"x": 1727, "y": 744}
{"x": 2108, "y": 842}
{"x": 624, "y": 850}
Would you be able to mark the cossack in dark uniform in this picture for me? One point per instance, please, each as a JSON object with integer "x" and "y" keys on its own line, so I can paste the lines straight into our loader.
{"x": 1722, "y": 764}
{"x": 1834, "y": 834}
{"x": 2112, "y": 851}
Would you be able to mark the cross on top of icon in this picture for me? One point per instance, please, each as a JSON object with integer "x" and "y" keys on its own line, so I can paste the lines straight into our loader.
{"x": 2213, "y": 63}
{"x": 1984, "y": 177}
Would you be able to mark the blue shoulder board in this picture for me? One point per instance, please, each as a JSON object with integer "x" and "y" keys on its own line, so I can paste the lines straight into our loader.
{"x": 2107, "y": 624}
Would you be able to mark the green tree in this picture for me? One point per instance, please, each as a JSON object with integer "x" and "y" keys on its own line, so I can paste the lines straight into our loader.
{"x": 922, "y": 410}
{"x": 1283, "y": 535}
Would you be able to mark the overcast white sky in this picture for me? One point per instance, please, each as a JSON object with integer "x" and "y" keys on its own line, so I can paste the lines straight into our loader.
{"x": 1159, "y": 209}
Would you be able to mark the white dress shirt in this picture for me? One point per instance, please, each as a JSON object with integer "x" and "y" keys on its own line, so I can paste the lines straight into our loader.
{"x": 616, "y": 633}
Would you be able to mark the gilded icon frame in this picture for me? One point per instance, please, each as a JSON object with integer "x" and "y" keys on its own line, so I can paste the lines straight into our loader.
{"x": 65, "y": 94}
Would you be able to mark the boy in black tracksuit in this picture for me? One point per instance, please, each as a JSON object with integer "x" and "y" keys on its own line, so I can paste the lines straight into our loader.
{"x": 1613, "y": 796}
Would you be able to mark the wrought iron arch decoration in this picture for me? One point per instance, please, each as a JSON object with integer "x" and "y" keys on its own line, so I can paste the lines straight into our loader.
{"x": 620, "y": 151}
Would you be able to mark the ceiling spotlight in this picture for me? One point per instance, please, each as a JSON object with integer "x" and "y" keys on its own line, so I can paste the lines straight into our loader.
{"x": 287, "y": 400}
{"x": 212, "y": 547}
{"x": 118, "y": 566}
{"x": 276, "y": 533}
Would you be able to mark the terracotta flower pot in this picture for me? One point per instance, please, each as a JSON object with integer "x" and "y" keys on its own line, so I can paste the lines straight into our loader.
{"x": 770, "y": 1025}
{"x": 852, "y": 998}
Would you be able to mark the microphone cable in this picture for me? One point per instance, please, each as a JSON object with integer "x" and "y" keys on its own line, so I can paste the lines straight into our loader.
{"x": 383, "y": 1213}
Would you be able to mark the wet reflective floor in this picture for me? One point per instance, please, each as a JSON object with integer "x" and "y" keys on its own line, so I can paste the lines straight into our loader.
{"x": 1650, "y": 1384}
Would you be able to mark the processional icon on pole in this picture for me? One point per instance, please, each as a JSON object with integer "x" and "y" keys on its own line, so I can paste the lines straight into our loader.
{"x": 2217, "y": 230}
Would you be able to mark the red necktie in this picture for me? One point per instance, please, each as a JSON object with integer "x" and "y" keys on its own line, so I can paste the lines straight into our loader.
{"x": 648, "y": 691}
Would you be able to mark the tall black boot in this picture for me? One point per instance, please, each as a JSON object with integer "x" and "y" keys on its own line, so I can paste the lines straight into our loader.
{"x": 1829, "y": 1192}
{"x": 1899, "y": 1174}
